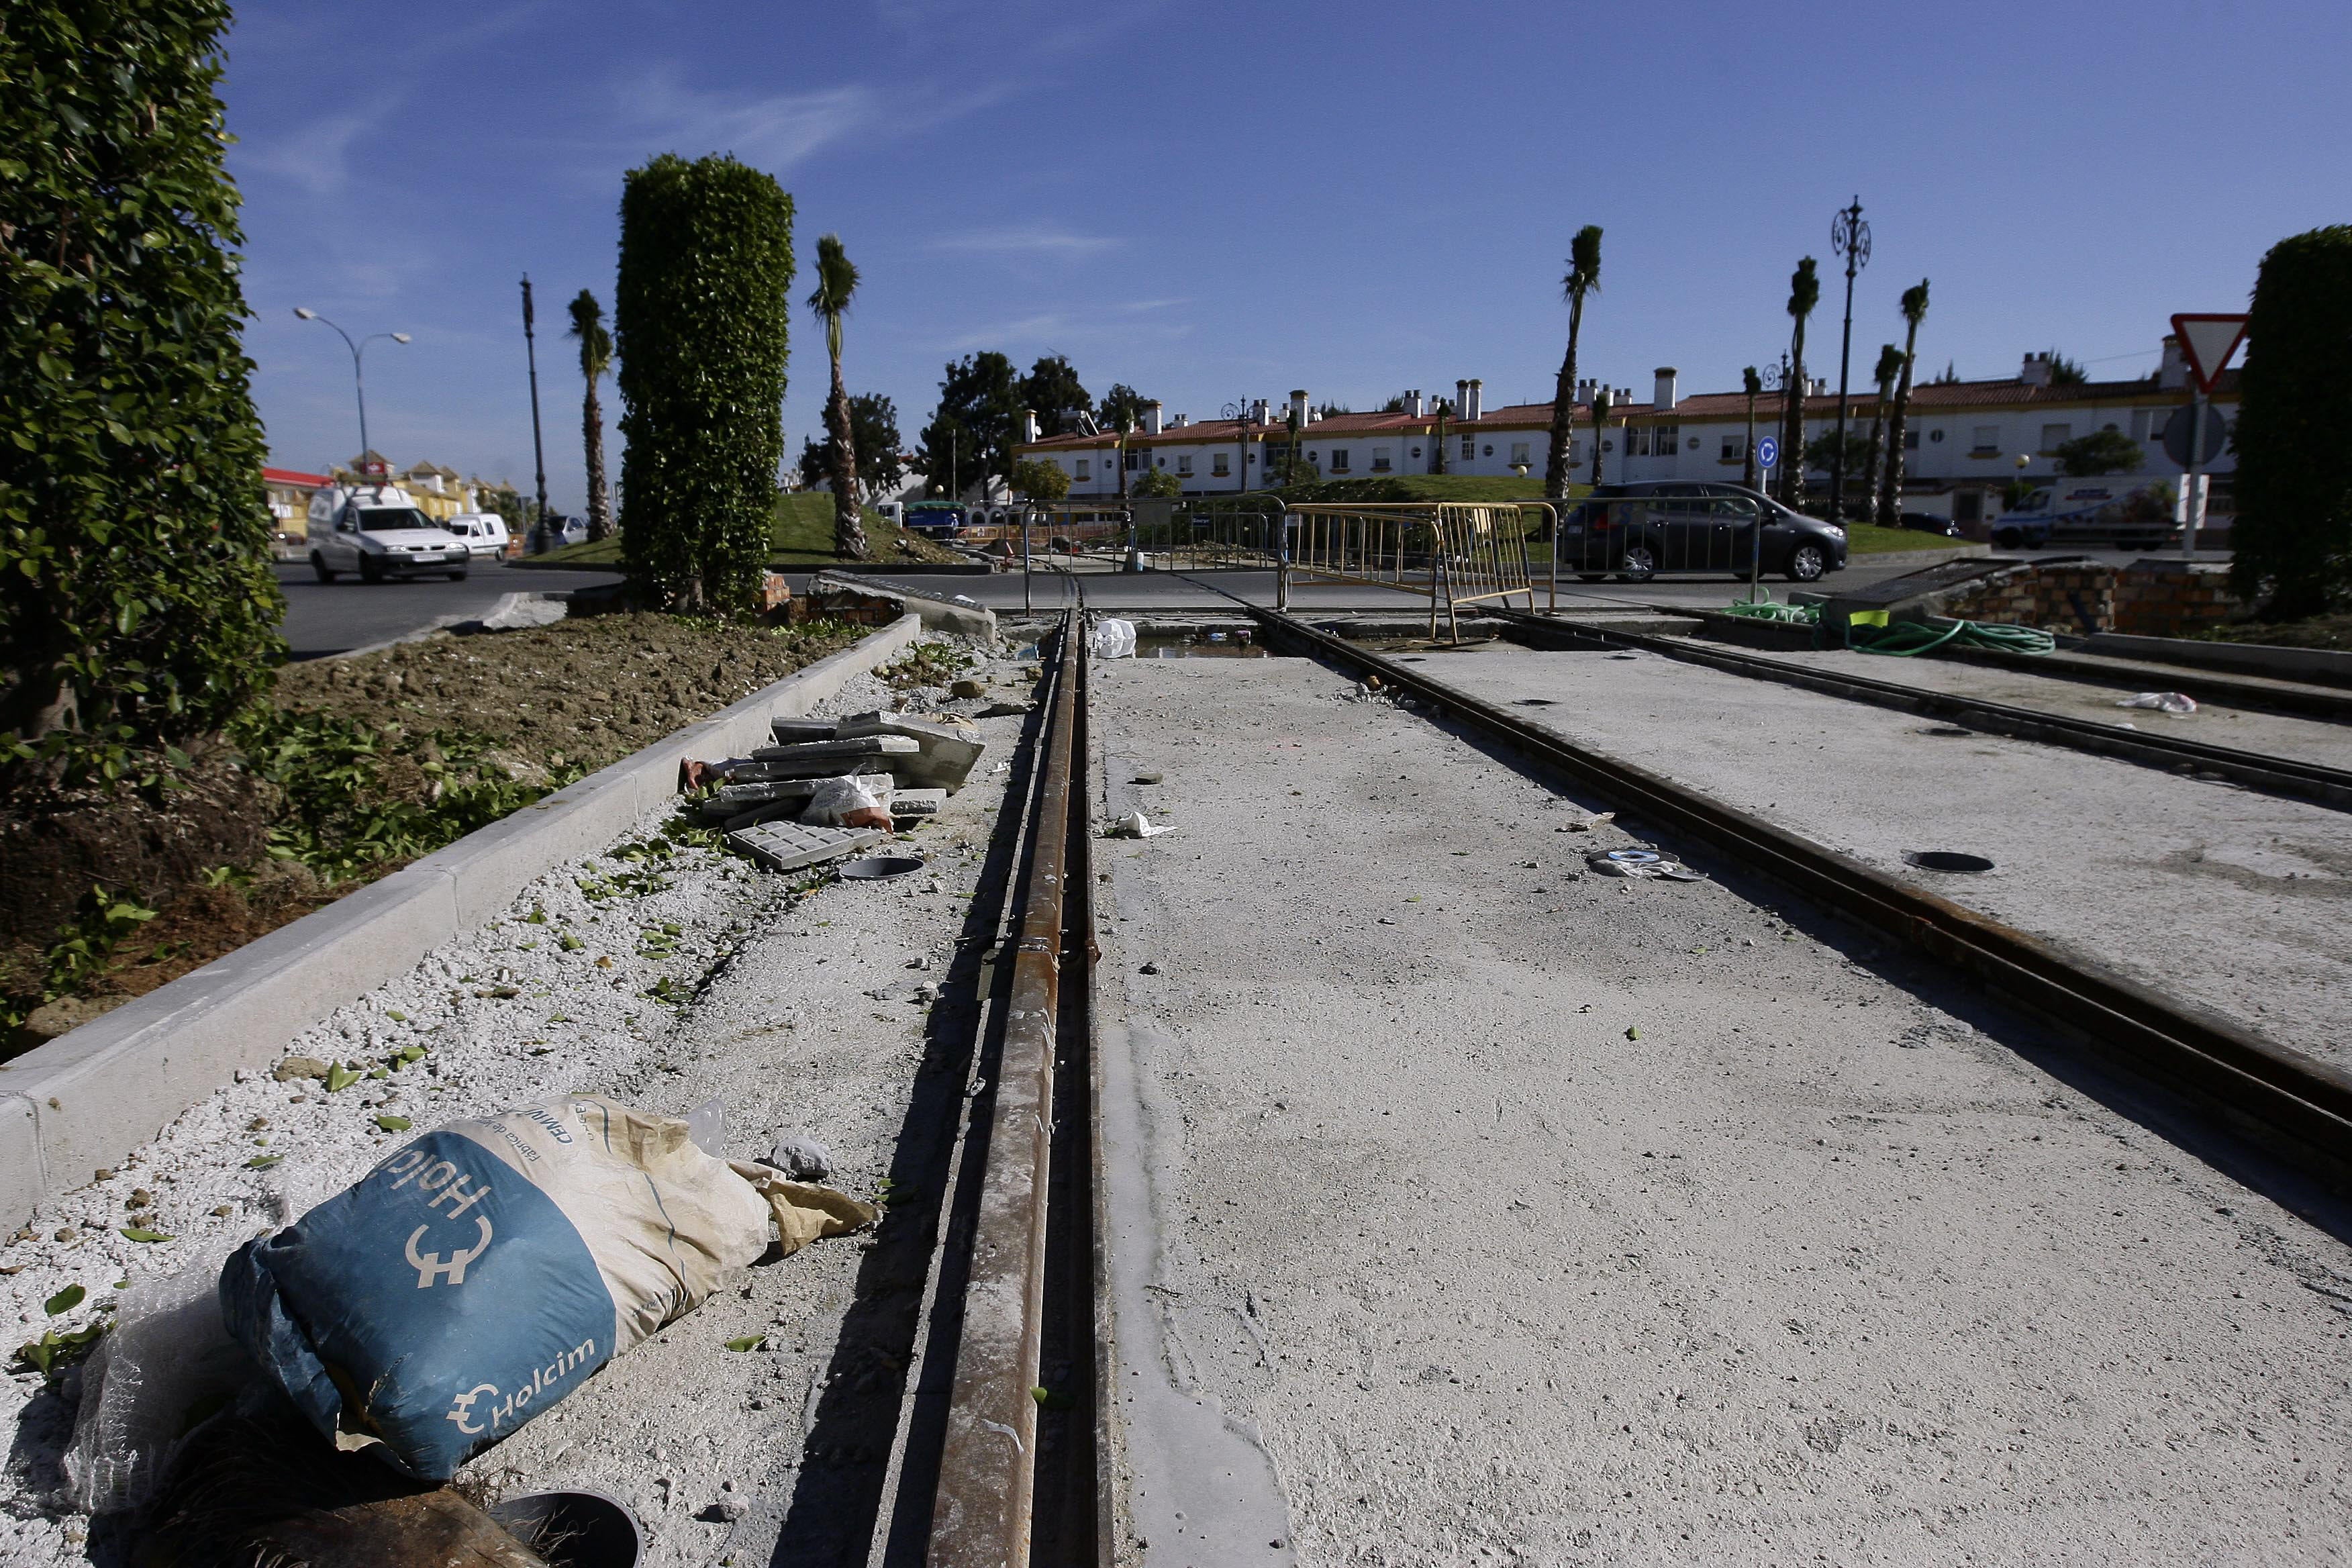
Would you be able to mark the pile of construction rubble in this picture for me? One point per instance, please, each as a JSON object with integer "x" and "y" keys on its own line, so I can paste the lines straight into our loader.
{"x": 828, "y": 786}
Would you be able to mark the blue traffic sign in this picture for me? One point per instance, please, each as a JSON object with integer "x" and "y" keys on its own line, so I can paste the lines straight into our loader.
{"x": 1768, "y": 452}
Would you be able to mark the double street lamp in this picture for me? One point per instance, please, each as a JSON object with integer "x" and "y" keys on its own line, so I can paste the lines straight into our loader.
{"x": 358, "y": 383}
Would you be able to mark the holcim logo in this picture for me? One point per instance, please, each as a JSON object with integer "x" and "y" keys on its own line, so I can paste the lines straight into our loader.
{"x": 461, "y": 1413}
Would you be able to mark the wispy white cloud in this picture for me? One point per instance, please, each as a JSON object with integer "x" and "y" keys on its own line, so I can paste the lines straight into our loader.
{"x": 1054, "y": 329}
{"x": 317, "y": 158}
{"x": 1042, "y": 239}
{"x": 773, "y": 131}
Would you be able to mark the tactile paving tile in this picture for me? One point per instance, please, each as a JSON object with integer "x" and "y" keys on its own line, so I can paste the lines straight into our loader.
{"x": 788, "y": 845}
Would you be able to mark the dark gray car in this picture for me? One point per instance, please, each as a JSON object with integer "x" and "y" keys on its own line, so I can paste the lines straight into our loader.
{"x": 1636, "y": 531}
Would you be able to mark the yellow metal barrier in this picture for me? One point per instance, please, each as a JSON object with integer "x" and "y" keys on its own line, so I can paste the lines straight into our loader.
{"x": 1453, "y": 553}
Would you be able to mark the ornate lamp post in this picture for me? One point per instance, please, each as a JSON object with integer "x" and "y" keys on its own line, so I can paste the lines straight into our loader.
{"x": 1239, "y": 412}
{"x": 1849, "y": 238}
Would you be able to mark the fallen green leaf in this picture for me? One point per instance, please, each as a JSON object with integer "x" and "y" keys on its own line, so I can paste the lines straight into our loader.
{"x": 340, "y": 1077}
{"x": 1633, "y": 1032}
{"x": 396, "y": 1018}
{"x": 570, "y": 944}
{"x": 379, "y": 1072}
{"x": 394, "y": 1123}
{"x": 749, "y": 1342}
{"x": 65, "y": 1301}
{"x": 263, "y": 1162}
{"x": 136, "y": 1233}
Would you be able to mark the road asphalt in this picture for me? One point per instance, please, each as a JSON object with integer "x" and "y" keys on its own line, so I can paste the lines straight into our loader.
{"x": 323, "y": 618}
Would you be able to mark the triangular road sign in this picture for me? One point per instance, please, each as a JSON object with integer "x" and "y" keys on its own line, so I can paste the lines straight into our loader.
{"x": 2209, "y": 342}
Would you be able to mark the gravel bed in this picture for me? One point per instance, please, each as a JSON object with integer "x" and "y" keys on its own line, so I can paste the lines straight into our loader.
{"x": 657, "y": 973}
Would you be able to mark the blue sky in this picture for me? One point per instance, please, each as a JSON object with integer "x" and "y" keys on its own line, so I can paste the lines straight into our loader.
{"x": 1213, "y": 202}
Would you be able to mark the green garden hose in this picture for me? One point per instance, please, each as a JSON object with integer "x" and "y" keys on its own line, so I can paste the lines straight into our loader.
{"x": 1870, "y": 632}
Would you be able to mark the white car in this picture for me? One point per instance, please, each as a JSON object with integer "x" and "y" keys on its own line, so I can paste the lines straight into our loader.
{"x": 485, "y": 533}
{"x": 378, "y": 532}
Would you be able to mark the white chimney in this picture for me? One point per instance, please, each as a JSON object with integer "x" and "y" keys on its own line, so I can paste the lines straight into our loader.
{"x": 2036, "y": 372}
{"x": 1151, "y": 418}
{"x": 1299, "y": 404}
{"x": 1663, "y": 400}
{"x": 1461, "y": 400}
{"x": 1029, "y": 425}
{"x": 1257, "y": 411}
{"x": 2173, "y": 373}
{"x": 1419, "y": 404}
{"x": 1477, "y": 399}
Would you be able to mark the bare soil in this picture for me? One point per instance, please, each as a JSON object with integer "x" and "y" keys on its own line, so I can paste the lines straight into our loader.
{"x": 456, "y": 731}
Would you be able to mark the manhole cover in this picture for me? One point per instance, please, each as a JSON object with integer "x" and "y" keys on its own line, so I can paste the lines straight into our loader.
{"x": 573, "y": 1530}
{"x": 1946, "y": 860}
{"x": 882, "y": 868}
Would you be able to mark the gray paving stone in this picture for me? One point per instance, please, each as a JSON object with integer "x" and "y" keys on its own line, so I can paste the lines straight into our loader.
{"x": 918, "y": 802}
{"x": 945, "y": 753}
{"x": 796, "y": 732}
{"x": 788, "y": 845}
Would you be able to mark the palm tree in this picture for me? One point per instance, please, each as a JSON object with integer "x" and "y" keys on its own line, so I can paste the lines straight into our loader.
{"x": 1583, "y": 277}
{"x": 1915, "y": 310}
{"x": 595, "y": 359}
{"x": 836, "y": 280}
{"x": 1601, "y": 402}
{"x": 1890, "y": 365}
{"x": 1804, "y": 293}
{"x": 1751, "y": 383}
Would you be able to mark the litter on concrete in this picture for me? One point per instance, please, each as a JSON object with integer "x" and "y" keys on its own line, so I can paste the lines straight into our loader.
{"x": 2162, "y": 701}
{"x": 1642, "y": 864}
{"x": 1114, "y": 638}
{"x": 846, "y": 803}
{"x": 1135, "y": 824}
{"x": 1586, "y": 824}
{"x": 486, "y": 1269}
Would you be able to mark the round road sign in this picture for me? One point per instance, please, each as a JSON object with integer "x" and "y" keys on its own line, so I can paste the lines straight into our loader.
{"x": 1768, "y": 452}
{"x": 2175, "y": 434}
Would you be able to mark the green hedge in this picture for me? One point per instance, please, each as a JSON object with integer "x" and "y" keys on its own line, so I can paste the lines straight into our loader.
{"x": 137, "y": 604}
{"x": 2292, "y": 537}
{"x": 701, "y": 319}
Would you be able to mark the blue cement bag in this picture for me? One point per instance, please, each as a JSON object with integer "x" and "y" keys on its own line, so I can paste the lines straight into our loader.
{"x": 488, "y": 1268}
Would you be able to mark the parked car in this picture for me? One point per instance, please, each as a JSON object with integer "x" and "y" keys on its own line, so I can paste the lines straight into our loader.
{"x": 485, "y": 533}
{"x": 377, "y": 531}
{"x": 1636, "y": 531}
{"x": 1928, "y": 522}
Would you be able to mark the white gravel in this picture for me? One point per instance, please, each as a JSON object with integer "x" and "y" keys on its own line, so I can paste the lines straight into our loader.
{"x": 771, "y": 979}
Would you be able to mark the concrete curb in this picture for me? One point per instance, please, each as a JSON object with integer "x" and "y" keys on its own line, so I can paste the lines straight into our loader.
{"x": 86, "y": 1099}
{"x": 2326, "y": 667}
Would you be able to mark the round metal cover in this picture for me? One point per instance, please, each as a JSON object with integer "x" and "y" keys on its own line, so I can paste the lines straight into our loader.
{"x": 1636, "y": 857}
{"x": 1946, "y": 860}
{"x": 572, "y": 1529}
{"x": 881, "y": 867}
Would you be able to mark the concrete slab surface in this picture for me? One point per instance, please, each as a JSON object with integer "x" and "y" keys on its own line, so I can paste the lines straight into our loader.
{"x": 1515, "y": 1215}
{"x": 788, "y": 845}
{"x": 2236, "y": 900}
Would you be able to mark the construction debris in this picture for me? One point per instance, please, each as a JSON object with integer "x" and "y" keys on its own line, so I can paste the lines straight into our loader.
{"x": 940, "y": 752}
{"x": 788, "y": 845}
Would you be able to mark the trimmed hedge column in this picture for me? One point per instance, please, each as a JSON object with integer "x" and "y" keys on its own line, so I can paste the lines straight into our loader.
{"x": 2292, "y": 535}
{"x": 701, "y": 319}
{"x": 137, "y": 605}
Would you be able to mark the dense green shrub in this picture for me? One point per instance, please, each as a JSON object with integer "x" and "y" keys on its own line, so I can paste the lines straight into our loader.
{"x": 700, "y": 318}
{"x": 137, "y": 605}
{"x": 2293, "y": 534}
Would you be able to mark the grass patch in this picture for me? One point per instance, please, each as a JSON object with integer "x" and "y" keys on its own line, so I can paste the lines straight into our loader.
{"x": 2330, "y": 631}
{"x": 1869, "y": 539}
{"x": 800, "y": 538}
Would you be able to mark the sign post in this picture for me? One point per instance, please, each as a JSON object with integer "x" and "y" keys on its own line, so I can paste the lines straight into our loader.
{"x": 1768, "y": 454}
{"x": 2207, "y": 341}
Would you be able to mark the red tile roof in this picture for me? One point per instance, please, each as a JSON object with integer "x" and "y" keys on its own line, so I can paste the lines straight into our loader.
{"x": 294, "y": 477}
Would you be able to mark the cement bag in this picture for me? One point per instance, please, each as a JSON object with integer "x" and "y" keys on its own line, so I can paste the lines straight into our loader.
{"x": 1114, "y": 639}
{"x": 488, "y": 1268}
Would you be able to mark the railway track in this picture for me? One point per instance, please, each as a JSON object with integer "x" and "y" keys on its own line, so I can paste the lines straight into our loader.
{"x": 2289, "y": 1105}
{"x": 2288, "y": 776}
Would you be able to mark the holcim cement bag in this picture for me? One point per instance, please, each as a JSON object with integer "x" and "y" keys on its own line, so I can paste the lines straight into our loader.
{"x": 486, "y": 1269}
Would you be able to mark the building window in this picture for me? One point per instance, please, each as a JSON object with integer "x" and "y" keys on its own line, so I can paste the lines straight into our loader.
{"x": 1381, "y": 459}
{"x": 1184, "y": 464}
{"x": 1416, "y": 451}
{"x": 1986, "y": 439}
{"x": 1469, "y": 446}
{"x": 1734, "y": 449}
{"x": 1134, "y": 461}
{"x": 1667, "y": 438}
{"x": 1519, "y": 451}
{"x": 1221, "y": 467}
{"x": 1490, "y": 448}
{"x": 2056, "y": 435}
{"x": 1637, "y": 442}
{"x": 1339, "y": 459}
{"x": 1933, "y": 436}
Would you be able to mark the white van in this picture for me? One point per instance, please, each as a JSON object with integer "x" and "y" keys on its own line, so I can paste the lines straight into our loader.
{"x": 377, "y": 531}
{"x": 485, "y": 533}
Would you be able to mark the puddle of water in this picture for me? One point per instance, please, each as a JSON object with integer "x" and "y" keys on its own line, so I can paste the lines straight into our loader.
{"x": 1239, "y": 644}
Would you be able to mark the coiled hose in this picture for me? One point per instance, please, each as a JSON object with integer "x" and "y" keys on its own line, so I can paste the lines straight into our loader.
{"x": 1871, "y": 632}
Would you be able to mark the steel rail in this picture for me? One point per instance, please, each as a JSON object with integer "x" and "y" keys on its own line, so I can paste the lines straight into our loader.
{"x": 980, "y": 1515}
{"x": 2289, "y": 776}
{"x": 2293, "y": 1106}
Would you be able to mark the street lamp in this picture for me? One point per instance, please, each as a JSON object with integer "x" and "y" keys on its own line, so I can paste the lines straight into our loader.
{"x": 358, "y": 383}
{"x": 1239, "y": 413}
{"x": 1849, "y": 238}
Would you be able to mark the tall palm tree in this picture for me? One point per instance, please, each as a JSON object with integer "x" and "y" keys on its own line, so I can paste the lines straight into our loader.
{"x": 1915, "y": 310}
{"x": 1804, "y": 293}
{"x": 1583, "y": 277}
{"x": 1751, "y": 383}
{"x": 836, "y": 280}
{"x": 1890, "y": 365}
{"x": 595, "y": 361}
{"x": 1601, "y": 402}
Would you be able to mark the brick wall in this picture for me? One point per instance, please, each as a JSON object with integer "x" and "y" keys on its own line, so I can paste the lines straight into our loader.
{"x": 2171, "y": 599}
{"x": 2059, "y": 597}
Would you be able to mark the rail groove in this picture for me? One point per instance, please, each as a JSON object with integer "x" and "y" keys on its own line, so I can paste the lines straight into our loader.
{"x": 2293, "y": 1106}
{"x": 2288, "y": 776}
